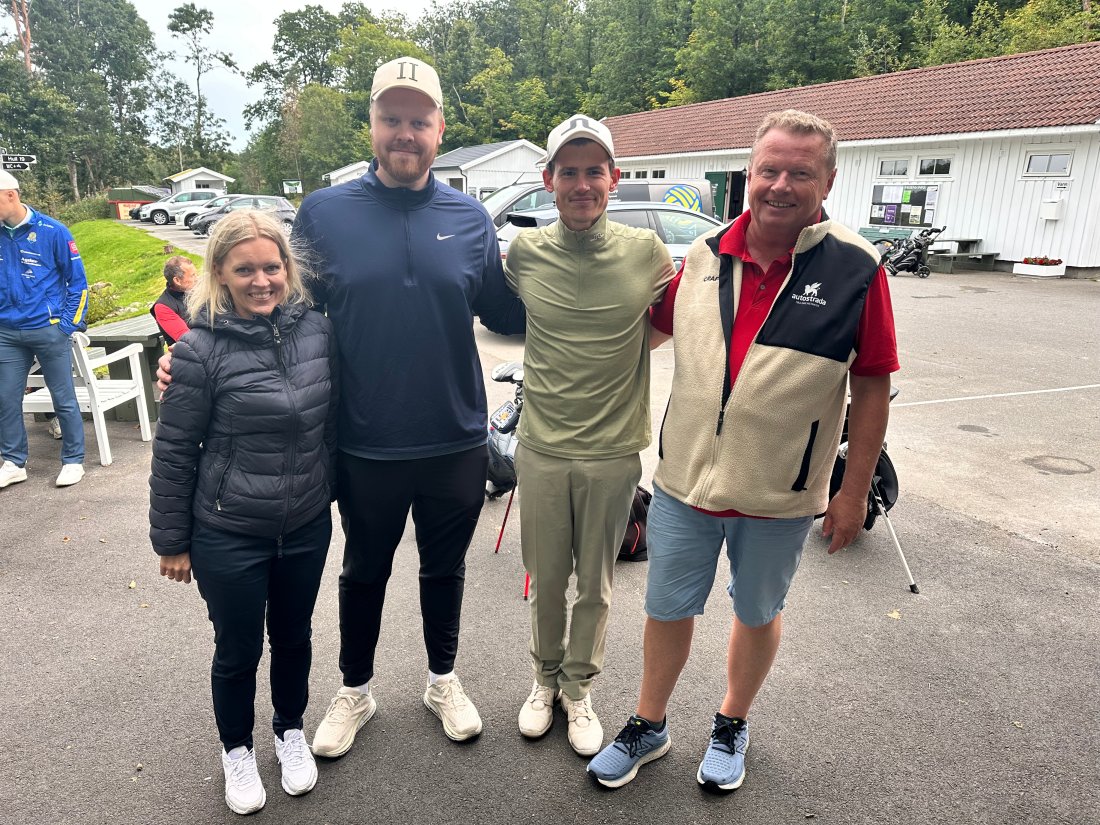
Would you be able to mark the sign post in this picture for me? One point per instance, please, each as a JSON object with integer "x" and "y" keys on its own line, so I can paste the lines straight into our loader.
{"x": 17, "y": 163}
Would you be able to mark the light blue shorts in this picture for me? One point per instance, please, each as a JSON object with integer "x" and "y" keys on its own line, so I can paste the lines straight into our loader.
{"x": 683, "y": 554}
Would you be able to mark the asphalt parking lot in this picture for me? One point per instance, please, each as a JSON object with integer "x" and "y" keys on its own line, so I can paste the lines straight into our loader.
{"x": 973, "y": 702}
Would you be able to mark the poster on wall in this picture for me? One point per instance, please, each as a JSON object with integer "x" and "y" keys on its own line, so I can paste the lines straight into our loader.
{"x": 900, "y": 205}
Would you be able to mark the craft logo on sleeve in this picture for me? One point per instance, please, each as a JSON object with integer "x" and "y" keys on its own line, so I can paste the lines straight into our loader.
{"x": 72, "y": 248}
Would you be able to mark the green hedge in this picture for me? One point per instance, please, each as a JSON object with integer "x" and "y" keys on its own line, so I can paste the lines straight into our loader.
{"x": 87, "y": 209}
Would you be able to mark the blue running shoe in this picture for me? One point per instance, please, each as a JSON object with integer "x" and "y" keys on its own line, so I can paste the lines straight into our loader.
{"x": 723, "y": 765}
{"x": 635, "y": 745}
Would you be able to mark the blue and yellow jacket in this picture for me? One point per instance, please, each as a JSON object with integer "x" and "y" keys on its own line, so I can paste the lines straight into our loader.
{"x": 42, "y": 278}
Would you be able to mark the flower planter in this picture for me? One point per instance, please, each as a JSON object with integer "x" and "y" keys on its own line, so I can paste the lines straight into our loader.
{"x": 1037, "y": 271}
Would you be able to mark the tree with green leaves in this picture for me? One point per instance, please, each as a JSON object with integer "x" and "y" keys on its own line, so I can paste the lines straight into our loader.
{"x": 637, "y": 43}
{"x": 723, "y": 55}
{"x": 36, "y": 119}
{"x": 96, "y": 53}
{"x": 1044, "y": 24}
{"x": 806, "y": 42}
{"x": 192, "y": 25}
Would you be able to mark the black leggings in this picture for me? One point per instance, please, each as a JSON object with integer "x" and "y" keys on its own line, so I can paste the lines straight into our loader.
{"x": 445, "y": 494}
{"x": 241, "y": 578}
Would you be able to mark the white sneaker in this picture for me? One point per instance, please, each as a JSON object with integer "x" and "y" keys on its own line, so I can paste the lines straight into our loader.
{"x": 585, "y": 730}
{"x": 347, "y": 712}
{"x": 537, "y": 714}
{"x": 244, "y": 792}
{"x": 70, "y": 474}
{"x": 299, "y": 769}
{"x": 447, "y": 700}
{"x": 54, "y": 428}
{"x": 10, "y": 474}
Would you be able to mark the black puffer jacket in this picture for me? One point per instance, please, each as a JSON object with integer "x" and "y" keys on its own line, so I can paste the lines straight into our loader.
{"x": 246, "y": 440}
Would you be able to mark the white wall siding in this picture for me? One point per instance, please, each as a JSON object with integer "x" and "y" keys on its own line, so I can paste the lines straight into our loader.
{"x": 986, "y": 195}
{"x": 508, "y": 167}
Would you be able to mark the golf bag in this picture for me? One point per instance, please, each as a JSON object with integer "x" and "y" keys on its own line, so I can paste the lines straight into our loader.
{"x": 910, "y": 255}
{"x": 634, "y": 546}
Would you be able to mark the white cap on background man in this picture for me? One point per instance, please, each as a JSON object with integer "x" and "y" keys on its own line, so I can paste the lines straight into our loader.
{"x": 8, "y": 180}
{"x": 407, "y": 73}
{"x": 578, "y": 126}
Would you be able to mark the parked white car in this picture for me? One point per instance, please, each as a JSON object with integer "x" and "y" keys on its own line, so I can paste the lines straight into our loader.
{"x": 186, "y": 216}
{"x": 163, "y": 211}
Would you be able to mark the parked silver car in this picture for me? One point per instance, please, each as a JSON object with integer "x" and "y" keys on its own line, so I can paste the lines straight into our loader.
{"x": 696, "y": 195}
{"x": 185, "y": 216}
{"x": 164, "y": 210}
{"x": 674, "y": 225}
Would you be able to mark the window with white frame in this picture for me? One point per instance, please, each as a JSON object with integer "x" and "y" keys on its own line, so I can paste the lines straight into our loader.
{"x": 934, "y": 166}
{"x": 624, "y": 173}
{"x": 641, "y": 174}
{"x": 893, "y": 167}
{"x": 1050, "y": 164}
{"x": 657, "y": 173}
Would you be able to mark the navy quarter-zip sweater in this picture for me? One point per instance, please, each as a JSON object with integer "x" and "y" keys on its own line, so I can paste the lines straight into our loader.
{"x": 402, "y": 273}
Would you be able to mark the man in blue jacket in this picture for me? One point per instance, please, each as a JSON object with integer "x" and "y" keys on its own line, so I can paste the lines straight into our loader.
{"x": 404, "y": 264}
{"x": 43, "y": 300}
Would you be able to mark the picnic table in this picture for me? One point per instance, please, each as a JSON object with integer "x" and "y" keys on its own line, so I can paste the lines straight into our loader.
{"x": 966, "y": 251}
{"x": 116, "y": 335}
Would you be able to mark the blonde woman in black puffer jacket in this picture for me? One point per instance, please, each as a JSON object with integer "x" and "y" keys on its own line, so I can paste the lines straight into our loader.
{"x": 241, "y": 485}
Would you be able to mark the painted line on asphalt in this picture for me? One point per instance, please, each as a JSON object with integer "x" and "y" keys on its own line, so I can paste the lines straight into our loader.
{"x": 994, "y": 395}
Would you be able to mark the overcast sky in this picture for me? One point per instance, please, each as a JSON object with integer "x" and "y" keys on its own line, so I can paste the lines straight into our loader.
{"x": 245, "y": 29}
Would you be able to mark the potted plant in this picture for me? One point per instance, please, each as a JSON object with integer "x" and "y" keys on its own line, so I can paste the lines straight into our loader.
{"x": 1040, "y": 267}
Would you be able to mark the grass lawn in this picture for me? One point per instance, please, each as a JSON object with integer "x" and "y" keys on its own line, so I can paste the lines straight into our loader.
{"x": 128, "y": 259}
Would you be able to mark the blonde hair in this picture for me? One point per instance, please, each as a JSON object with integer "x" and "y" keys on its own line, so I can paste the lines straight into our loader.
{"x": 234, "y": 228}
{"x": 799, "y": 123}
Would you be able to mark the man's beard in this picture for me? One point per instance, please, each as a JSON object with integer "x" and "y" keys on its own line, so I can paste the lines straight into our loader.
{"x": 403, "y": 168}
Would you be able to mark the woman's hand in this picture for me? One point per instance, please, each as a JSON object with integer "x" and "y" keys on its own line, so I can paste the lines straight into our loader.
{"x": 177, "y": 568}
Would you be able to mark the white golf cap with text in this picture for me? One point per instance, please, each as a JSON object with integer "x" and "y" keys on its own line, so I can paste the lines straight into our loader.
{"x": 407, "y": 73}
{"x": 578, "y": 126}
{"x": 8, "y": 180}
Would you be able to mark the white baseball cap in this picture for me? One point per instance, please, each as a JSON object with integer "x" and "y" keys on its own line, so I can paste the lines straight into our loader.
{"x": 578, "y": 126}
{"x": 8, "y": 180}
{"x": 407, "y": 73}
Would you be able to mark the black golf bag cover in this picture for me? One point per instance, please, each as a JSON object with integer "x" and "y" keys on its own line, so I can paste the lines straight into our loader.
{"x": 634, "y": 546}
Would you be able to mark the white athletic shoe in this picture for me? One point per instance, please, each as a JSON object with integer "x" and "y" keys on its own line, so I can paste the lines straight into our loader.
{"x": 537, "y": 714}
{"x": 70, "y": 474}
{"x": 585, "y": 730}
{"x": 299, "y": 769}
{"x": 447, "y": 700}
{"x": 10, "y": 474}
{"x": 244, "y": 792}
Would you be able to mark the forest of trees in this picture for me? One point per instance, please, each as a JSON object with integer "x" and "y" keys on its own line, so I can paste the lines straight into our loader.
{"x": 83, "y": 87}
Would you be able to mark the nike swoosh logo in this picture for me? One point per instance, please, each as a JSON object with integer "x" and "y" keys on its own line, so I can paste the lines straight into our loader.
{"x": 439, "y": 237}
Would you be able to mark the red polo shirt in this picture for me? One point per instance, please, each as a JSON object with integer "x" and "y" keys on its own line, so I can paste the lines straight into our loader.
{"x": 876, "y": 344}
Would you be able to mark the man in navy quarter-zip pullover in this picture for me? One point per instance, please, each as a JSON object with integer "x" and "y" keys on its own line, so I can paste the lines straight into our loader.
{"x": 404, "y": 264}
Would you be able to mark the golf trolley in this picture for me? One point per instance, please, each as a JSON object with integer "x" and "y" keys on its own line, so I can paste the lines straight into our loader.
{"x": 502, "y": 448}
{"x": 909, "y": 255}
{"x": 883, "y": 493}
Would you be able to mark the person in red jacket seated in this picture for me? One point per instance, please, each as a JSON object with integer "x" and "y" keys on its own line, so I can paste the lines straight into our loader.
{"x": 170, "y": 310}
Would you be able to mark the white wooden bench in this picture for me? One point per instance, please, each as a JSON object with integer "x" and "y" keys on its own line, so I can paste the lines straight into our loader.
{"x": 97, "y": 395}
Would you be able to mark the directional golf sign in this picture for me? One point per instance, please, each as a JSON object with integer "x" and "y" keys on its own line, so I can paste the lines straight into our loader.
{"x": 28, "y": 159}
{"x": 16, "y": 167}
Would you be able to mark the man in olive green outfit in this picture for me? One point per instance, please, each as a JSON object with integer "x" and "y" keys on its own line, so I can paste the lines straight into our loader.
{"x": 588, "y": 284}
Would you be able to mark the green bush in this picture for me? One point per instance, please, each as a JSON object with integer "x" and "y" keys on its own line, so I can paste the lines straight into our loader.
{"x": 102, "y": 302}
{"x": 87, "y": 209}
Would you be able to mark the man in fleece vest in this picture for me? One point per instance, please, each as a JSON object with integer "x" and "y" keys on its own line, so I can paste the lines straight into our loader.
{"x": 775, "y": 317}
